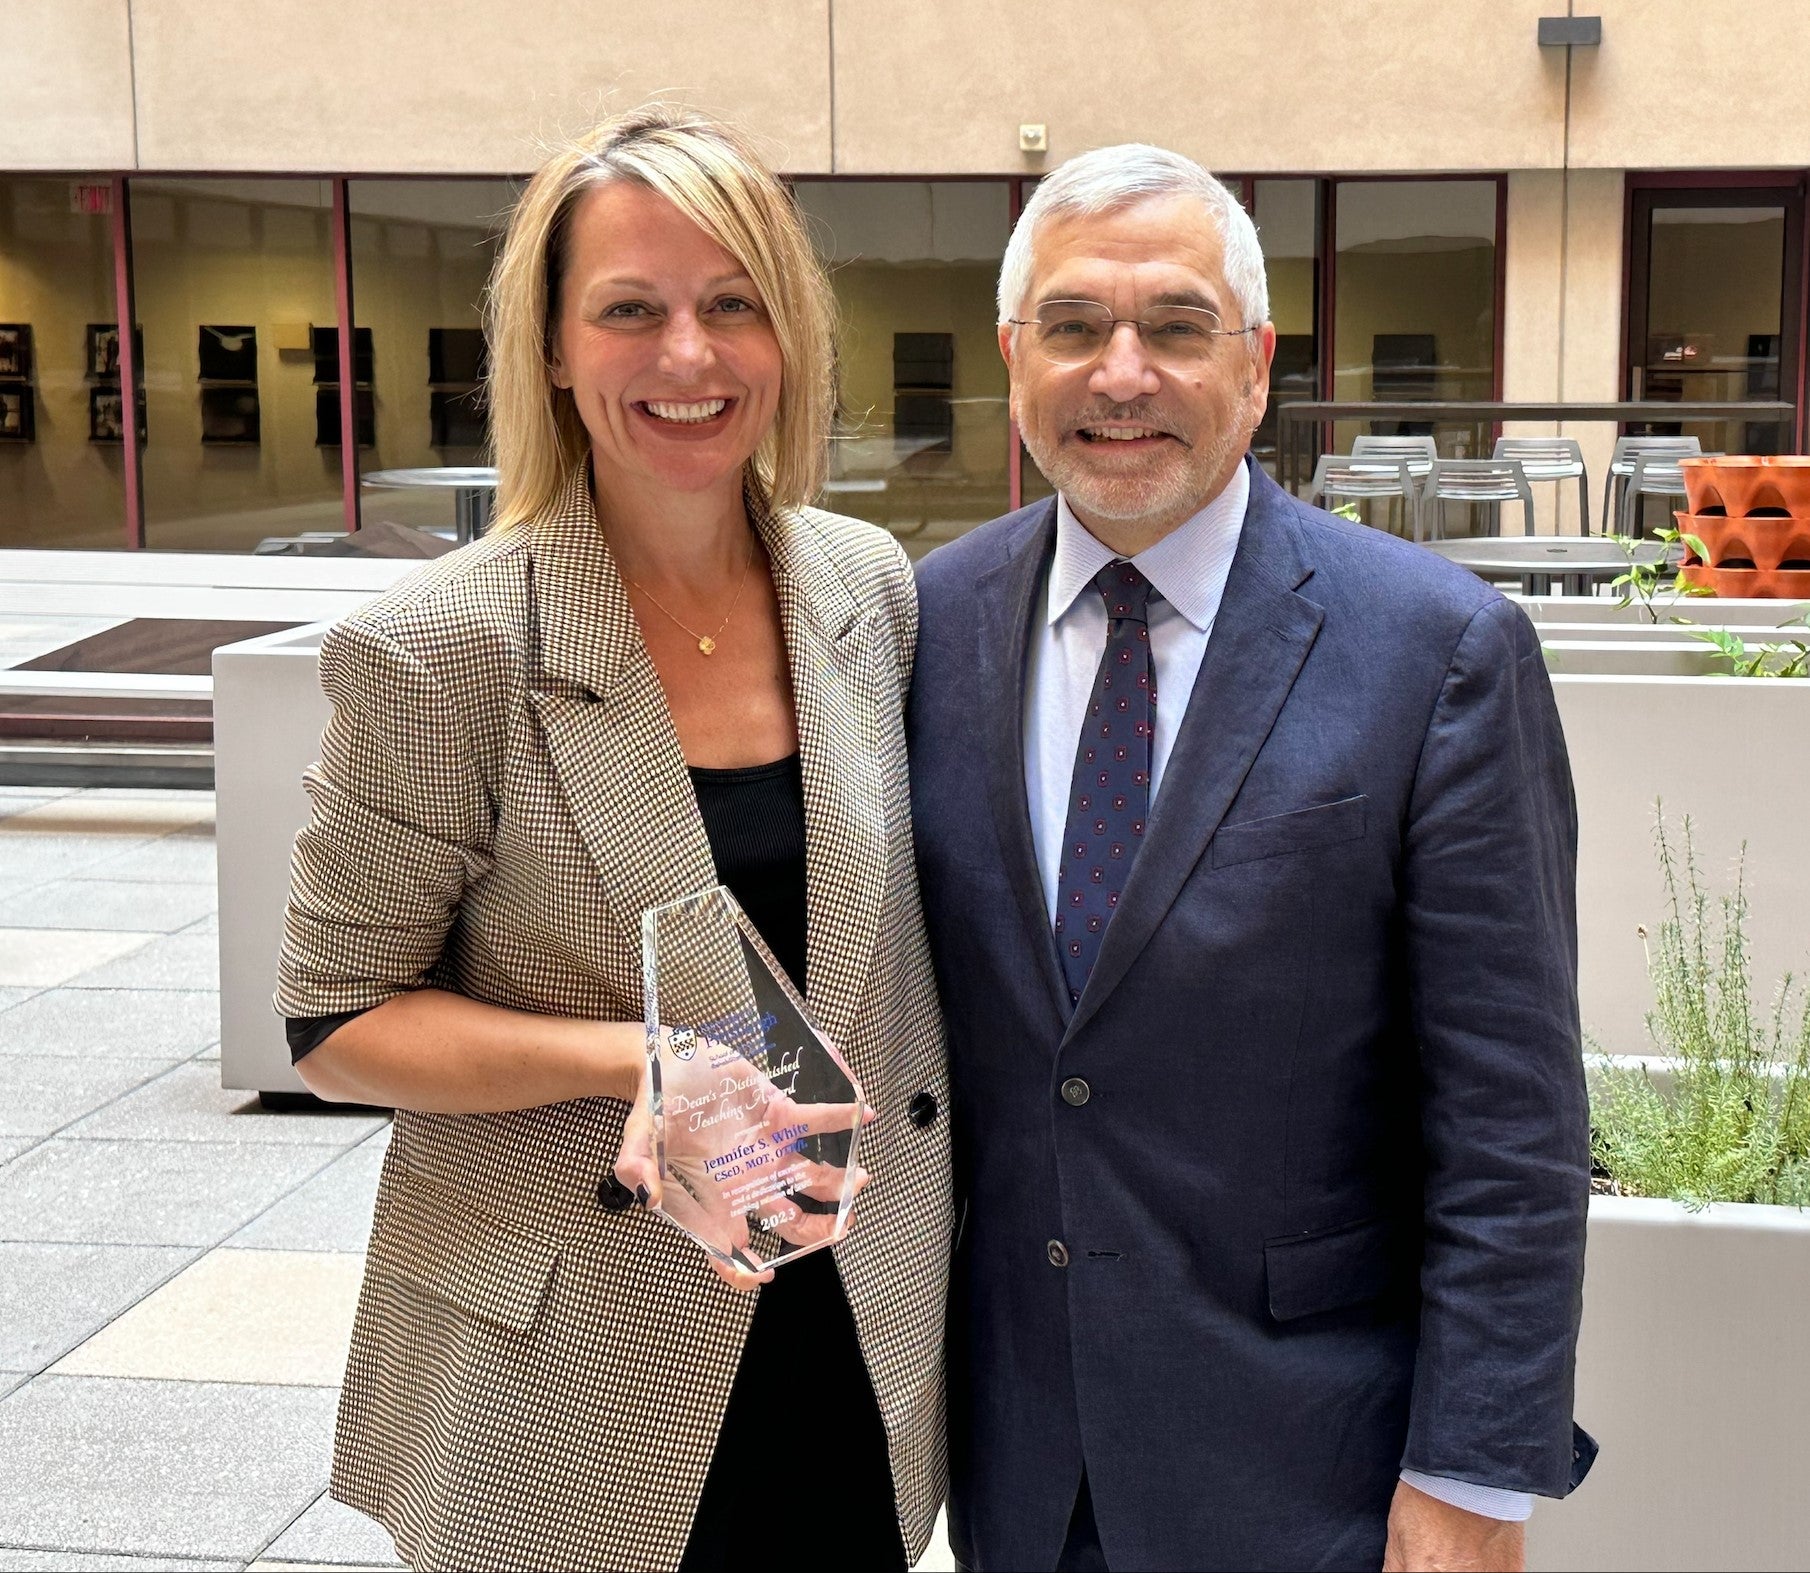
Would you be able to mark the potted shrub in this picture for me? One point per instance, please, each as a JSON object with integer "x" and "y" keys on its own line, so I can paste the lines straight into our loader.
{"x": 1694, "y": 1364}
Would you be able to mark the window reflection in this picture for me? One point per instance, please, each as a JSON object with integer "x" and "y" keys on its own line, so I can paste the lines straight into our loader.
{"x": 232, "y": 277}
{"x": 61, "y": 480}
{"x": 1415, "y": 284}
{"x": 921, "y": 444}
{"x": 421, "y": 254}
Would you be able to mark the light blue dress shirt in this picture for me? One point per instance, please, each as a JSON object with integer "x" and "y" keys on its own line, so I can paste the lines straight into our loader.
{"x": 1188, "y": 568}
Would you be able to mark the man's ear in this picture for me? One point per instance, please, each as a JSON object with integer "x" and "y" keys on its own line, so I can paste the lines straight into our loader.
{"x": 1006, "y": 330}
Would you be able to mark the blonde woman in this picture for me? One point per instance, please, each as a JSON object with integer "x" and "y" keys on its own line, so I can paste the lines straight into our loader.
{"x": 661, "y": 670}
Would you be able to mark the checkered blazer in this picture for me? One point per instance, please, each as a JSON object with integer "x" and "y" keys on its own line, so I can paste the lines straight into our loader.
{"x": 536, "y": 1381}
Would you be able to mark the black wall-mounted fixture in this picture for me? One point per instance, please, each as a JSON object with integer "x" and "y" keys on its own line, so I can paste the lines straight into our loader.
{"x": 1558, "y": 32}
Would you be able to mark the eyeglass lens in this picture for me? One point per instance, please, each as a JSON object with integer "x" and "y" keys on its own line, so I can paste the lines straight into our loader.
{"x": 1078, "y": 330}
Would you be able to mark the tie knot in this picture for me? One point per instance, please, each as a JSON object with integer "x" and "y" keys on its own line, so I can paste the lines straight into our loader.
{"x": 1126, "y": 591}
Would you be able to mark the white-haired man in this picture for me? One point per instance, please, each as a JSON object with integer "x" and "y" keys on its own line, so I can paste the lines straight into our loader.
{"x": 1269, "y": 1104}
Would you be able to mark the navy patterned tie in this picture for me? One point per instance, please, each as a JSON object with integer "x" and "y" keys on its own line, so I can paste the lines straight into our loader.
{"x": 1109, "y": 797}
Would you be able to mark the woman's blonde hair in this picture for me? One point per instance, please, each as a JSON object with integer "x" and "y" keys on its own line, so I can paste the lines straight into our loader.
{"x": 711, "y": 174}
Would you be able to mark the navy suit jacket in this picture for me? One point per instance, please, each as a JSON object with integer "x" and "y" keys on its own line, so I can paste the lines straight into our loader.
{"x": 1324, "y": 1210}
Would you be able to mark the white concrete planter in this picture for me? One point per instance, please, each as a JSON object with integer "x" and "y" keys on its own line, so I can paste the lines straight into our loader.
{"x": 1694, "y": 1375}
{"x": 1720, "y": 611}
{"x": 269, "y": 712}
{"x": 1730, "y": 752}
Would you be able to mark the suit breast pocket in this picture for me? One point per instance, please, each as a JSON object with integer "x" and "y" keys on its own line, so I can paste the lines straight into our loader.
{"x": 1302, "y": 830}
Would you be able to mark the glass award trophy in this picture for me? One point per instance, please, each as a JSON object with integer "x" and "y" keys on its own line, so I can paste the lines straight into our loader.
{"x": 756, "y": 1116}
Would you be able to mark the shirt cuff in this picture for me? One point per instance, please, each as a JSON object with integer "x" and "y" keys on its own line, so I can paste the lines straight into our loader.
{"x": 1512, "y": 1507}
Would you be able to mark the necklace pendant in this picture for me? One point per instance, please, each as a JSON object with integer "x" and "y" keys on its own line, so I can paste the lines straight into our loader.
{"x": 707, "y": 645}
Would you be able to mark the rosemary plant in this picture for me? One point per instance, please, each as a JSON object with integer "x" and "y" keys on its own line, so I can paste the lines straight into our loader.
{"x": 1732, "y": 1122}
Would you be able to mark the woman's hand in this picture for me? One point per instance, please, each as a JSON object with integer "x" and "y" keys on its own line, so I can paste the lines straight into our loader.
{"x": 734, "y": 1151}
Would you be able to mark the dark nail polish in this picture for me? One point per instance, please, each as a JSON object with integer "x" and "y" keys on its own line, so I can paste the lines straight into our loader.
{"x": 641, "y": 1194}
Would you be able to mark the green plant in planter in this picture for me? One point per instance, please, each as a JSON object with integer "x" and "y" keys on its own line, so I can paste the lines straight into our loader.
{"x": 1734, "y": 1123}
{"x": 1789, "y": 658}
{"x": 1647, "y": 583}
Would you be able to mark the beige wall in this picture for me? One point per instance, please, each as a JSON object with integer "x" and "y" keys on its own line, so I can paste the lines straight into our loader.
{"x": 67, "y": 67}
{"x": 938, "y": 87}
{"x": 1288, "y": 86}
{"x": 427, "y": 85}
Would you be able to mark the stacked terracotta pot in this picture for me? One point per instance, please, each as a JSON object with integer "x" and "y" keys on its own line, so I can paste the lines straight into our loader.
{"x": 1753, "y": 516}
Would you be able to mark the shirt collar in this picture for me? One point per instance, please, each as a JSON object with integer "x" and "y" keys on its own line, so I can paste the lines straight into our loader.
{"x": 1187, "y": 566}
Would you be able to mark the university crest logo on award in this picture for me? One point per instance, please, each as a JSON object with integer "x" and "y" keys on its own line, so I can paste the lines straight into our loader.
{"x": 757, "y": 1117}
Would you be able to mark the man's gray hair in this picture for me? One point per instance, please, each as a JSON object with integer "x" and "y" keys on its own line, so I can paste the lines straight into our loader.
{"x": 1114, "y": 177}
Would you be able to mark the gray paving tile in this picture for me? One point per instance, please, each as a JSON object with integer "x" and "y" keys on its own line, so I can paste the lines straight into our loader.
{"x": 12, "y": 1146}
{"x": 31, "y": 857}
{"x": 54, "y": 1296}
{"x": 15, "y": 800}
{"x": 207, "y": 925}
{"x": 196, "y": 1469}
{"x": 109, "y": 904}
{"x": 334, "y": 1533}
{"x": 189, "y": 1104}
{"x": 176, "y": 856}
{"x": 176, "y": 961}
{"x": 210, "y": 1055}
{"x": 332, "y": 1212}
{"x": 43, "y": 1093}
{"x": 11, "y": 1379}
{"x": 46, "y": 1561}
{"x": 120, "y": 1024}
{"x": 146, "y": 1193}
{"x": 11, "y": 997}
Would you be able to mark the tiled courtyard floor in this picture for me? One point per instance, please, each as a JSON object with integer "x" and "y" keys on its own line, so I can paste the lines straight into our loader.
{"x": 177, "y": 1266}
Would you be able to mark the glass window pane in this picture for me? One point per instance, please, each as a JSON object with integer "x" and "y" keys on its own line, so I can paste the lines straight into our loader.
{"x": 921, "y": 445}
{"x": 1415, "y": 301}
{"x": 1715, "y": 306}
{"x": 421, "y": 254}
{"x": 57, "y": 487}
{"x": 1287, "y": 215}
{"x": 231, "y": 277}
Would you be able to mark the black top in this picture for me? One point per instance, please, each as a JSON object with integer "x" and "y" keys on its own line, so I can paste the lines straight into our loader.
{"x": 755, "y": 820}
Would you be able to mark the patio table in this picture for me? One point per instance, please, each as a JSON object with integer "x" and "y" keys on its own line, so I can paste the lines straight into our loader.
{"x": 1580, "y": 564}
{"x": 473, "y": 487}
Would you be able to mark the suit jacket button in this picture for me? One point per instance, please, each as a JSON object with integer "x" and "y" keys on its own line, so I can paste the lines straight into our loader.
{"x": 612, "y": 1195}
{"x": 1076, "y": 1092}
{"x": 922, "y": 1109}
{"x": 1058, "y": 1253}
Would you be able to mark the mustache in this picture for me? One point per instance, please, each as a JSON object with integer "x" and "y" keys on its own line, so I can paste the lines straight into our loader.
{"x": 1140, "y": 412}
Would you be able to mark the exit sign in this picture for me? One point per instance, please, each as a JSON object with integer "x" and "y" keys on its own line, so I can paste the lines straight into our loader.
{"x": 88, "y": 197}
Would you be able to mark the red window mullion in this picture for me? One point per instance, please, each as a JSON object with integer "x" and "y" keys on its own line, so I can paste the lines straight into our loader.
{"x": 125, "y": 305}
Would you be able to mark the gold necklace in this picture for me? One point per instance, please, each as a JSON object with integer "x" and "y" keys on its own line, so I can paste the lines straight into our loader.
{"x": 706, "y": 642}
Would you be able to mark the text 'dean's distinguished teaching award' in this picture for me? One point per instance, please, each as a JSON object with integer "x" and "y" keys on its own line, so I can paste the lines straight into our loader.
{"x": 756, "y": 1116}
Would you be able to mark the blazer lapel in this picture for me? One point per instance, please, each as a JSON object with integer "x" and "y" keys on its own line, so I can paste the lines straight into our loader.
{"x": 1007, "y": 596}
{"x": 607, "y": 727}
{"x": 838, "y": 671}
{"x": 1259, "y": 643}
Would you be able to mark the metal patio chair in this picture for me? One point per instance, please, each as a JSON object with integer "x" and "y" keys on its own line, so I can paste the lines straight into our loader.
{"x": 1551, "y": 459}
{"x": 1340, "y": 478}
{"x": 1621, "y": 466}
{"x": 1486, "y": 483}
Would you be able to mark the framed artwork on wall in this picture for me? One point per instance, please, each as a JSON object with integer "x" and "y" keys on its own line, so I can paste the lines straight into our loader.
{"x": 326, "y": 417}
{"x": 15, "y": 352}
{"x": 457, "y": 418}
{"x": 18, "y": 412}
{"x": 230, "y": 416}
{"x": 100, "y": 351}
{"x": 324, "y": 344}
{"x": 107, "y": 415}
{"x": 227, "y": 354}
{"x": 456, "y": 356}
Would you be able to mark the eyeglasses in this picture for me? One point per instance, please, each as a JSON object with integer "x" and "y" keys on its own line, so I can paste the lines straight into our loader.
{"x": 1074, "y": 332}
